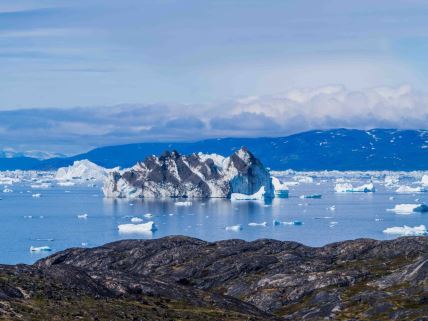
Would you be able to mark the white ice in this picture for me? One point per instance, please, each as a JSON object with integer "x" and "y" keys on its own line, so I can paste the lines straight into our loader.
{"x": 137, "y": 228}
{"x": 406, "y": 230}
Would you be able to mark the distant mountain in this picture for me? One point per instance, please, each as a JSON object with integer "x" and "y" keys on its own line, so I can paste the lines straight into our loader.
{"x": 341, "y": 149}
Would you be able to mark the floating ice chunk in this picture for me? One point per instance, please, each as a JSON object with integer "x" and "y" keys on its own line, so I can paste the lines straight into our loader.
{"x": 82, "y": 216}
{"x": 137, "y": 228}
{"x": 391, "y": 198}
{"x": 136, "y": 220}
{"x": 28, "y": 216}
{"x": 322, "y": 217}
{"x": 259, "y": 195}
{"x": 233, "y": 228}
{"x": 257, "y": 224}
{"x": 276, "y": 222}
{"x": 348, "y": 188}
{"x": 148, "y": 215}
{"x": 186, "y": 203}
{"x": 424, "y": 180}
{"x": 7, "y": 190}
{"x": 40, "y": 249}
{"x": 406, "y": 230}
{"x": 332, "y": 208}
{"x": 317, "y": 196}
{"x": 409, "y": 190}
{"x": 36, "y": 195}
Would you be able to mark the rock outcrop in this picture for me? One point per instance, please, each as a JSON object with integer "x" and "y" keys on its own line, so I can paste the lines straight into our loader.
{"x": 196, "y": 175}
{"x": 177, "y": 278}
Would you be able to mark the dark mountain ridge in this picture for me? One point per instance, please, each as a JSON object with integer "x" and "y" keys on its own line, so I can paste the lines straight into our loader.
{"x": 335, "y": 149}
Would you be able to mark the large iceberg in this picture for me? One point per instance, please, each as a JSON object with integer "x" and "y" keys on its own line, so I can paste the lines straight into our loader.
{"x": 348, "y": 188}
{"x": 81, "y": 170}
{"x": 195, "y": 175}
{"x": 406, "y": 230}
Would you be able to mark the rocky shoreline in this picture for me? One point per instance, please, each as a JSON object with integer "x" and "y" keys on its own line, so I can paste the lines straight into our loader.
{"x": 182, "y": 278}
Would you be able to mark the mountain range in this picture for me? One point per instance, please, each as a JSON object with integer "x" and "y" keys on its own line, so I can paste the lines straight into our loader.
{"x": 334, "y": 149}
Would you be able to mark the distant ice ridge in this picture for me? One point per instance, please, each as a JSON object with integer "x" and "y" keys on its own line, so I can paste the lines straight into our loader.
{"x": 191, "y": 176}
{"x": 410, "y": 190}
{"x": 348, "y": 188}
{"x": 409, "y": 208}
{"x": 81, "y": 170}
{"x": 137, "y": 228}
{"x": 406, "y": 230}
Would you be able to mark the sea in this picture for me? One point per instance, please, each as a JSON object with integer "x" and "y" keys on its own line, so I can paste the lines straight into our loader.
{"x": 36, "y": 212}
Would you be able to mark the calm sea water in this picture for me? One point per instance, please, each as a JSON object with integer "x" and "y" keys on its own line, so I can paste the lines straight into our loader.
{"x": 54, "y": 220}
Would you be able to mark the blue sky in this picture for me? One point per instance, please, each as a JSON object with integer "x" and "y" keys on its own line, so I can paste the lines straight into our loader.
{"x": 211, "y": 64}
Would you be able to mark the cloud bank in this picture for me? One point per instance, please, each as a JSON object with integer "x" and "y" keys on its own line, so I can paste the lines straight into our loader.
{"x": 75, "y": 130}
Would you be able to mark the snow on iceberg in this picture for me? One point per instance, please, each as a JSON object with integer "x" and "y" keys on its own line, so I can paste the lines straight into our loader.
{"x": 259, "y": 195}
{"x": 280, "y": 189}
{"x": 424, "y": 180}
{"x": 82, "y": 170}
{"x": 136, "y": 220}
{"x": 348, "y": 188}
{"x": 40, "y": 249}
{"x": 409, "y": 190}
{"x": 406, "y": 230}
{"x": 137, "y": 228}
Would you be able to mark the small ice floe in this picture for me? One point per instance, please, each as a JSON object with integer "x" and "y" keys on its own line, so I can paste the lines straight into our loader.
{"x": 171, "y": 214}
{"x": 28, "y": 216}
{"x": 304, "y": 179}
{"x": 40, "y": 249}
{"x": 235, "y": 228}
{"x": 323, "y": 217}
{"x": 131, "y": 204}
{"x": 332, "y": 208}
{"x": 348, "y": 188}
{"x": 66, "y": 184}
{"x": 406, "y": 230}
{"x": 410, "y": 190}
{"x": 332, "y": 224}
{"x": 84, "y": 244}
{"x": 316, "y": 196}
{"x": 186, "y": 203}
{"x": 378, "y": 219}
{"x": 406, "y": 209}
{"x": 259, "y": 195}
{"x": 40, "y": 186}
{"x": 45, "y": 240}
{"x": 7, "y": 190}
{"x": 276, "y": 223}
{"x": 148, "y": 215}
{"x": 257, "y": 224}
{"x": 136, "y": 220}
{"x": 137, "y": 228}
{"x": 36, "y": 195}
{"x": 391, "y": 198}
{"x": 82, "y": 216}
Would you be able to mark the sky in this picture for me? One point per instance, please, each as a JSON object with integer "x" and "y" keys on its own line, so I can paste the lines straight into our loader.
{"x": 77, "y": 74}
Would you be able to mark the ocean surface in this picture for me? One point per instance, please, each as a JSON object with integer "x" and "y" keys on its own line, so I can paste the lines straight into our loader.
{"x": 52, "y": 219}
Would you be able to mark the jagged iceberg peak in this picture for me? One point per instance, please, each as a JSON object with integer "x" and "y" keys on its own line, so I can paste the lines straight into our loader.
{"x": 195, "y": 175}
